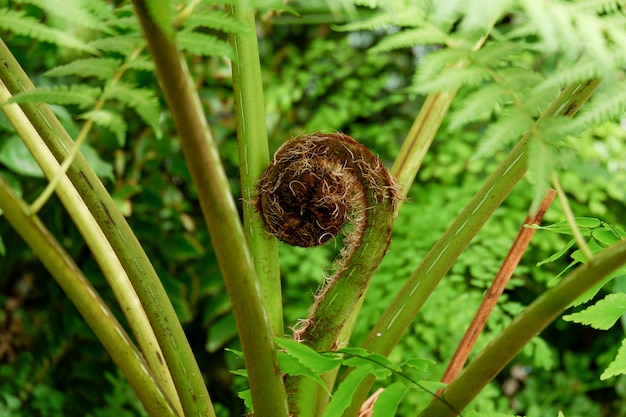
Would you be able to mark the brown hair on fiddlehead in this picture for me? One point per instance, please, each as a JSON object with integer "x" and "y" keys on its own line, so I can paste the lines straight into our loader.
{"x": 309, "y": 192}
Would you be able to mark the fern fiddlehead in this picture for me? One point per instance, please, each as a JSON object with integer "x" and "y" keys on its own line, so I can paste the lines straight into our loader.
{"x": 317, "y": 186}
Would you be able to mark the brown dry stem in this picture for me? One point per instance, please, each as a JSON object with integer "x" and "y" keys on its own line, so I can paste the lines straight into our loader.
{"x": 496, "y": 289}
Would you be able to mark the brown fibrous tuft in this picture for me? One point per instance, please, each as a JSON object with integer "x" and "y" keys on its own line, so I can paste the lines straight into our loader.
{"x": 306, "y": 195}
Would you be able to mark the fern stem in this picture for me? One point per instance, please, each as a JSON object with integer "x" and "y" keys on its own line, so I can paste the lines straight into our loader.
{"x": 253, "y": 159}
{"x": 571, "y": 220}
{"x": 523, "y": 328}
{"x": 167, "y": 327}
{"x": 85, "y": 298}
{"x": 409, "y": 300}
{"x": 97, "y": 243}
{"x": 221, "y": 216}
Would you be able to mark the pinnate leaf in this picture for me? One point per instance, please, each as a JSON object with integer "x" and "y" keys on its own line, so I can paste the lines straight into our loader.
{"x": 81, "y": 95}
{"x": 603, "y": 314}
{"x": 102, "y": 68}
{"x": 618, "y": 366}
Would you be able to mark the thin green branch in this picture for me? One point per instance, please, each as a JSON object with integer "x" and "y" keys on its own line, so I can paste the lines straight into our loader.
{"x": 571, "y": 220}
{"x": 253, "y": 159}
{"x": 523, "y": 328}
{"x": 220, "y": 213}
{"x": 176, "y": 350}
{"x": 86, "y": 300}
{"x": 97, "y": 243}
{"x": 412, "y": 296}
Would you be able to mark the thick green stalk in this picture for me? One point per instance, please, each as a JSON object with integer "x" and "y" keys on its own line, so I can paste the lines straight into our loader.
{"x": 176, "y": 350}
{"x": 97, "y": 243}
{"x": 86, "y": 300}
{"x": 550, "y": 305}
{"x": 409, "y": 300}
{"x": 220, "y": 213}
{"x": 253, "y": 159}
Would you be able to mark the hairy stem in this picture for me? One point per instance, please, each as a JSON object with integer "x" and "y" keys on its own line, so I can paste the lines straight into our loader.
{"x": 411, "y": 297}
{"x": 253, "y": 159}
{"x": 523, "y": 328}
{"x": 316, "y": 185}
{"x": 85, "y": 298}
{"x": 167, "y": 327}
{"x": 220, "y": 213}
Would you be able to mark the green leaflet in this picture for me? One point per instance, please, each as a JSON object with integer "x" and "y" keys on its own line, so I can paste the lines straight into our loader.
{"x": 618, "y": 366}
{"x": 18, "y": 22}
{"x": 388, "y": 401}
{"x": 204, "y": 45}
{"x": 102, "y": 68}
{"x": 603, "y": 314}
{"x": 143, "y": 101}
{"x": 81, "y": 95}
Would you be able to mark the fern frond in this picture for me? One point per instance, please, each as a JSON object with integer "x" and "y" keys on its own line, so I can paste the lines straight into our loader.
{"x": 541, "y": 15}
{"x": 102, "y": 68}
{"x": 454, "y": 78}
{"x": 141, "y": 63}
{"x": 436, "y": 61}
{"x": 214, "y": 19}
{"x": 614, "y": 27}
{"x": 411, "y": 37}
{"x": 584, "y": 70}
{"x": 74, "y": 11}
{"x": 519, "y": 78}
{"x": 479, "y": 105}
{"x": 598, "y": 6}
{"x": 143, "y": 101}
{"x": 415, "y": 17}
{"x": 609, "y": 103}
{"x": 81, "y": 95}
{"x": 508, "y": 128}
{"x": 494, "y": 54}
{"x": 18, "y": 22}
{"x": 123, "y": 44}
{"x": 204, "y": 45}
{"x": 478, "y": 16}
{"x": 591, "y": 32}
{"x": 109, "y": 120}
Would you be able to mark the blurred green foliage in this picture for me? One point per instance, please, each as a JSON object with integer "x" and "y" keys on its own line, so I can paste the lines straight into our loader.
{"x": 315, "y": 78}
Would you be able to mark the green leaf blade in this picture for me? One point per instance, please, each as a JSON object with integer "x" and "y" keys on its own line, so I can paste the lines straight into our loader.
{"x": 602, "y": 315}
{"x": 81, "y": 95}
{"x": 388, "y": 401}
{"x": 102, "y": 68}
{"x": 618, "y": 366}
{"x": 18, "y": 22}
{"x": 143, "y": 101}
